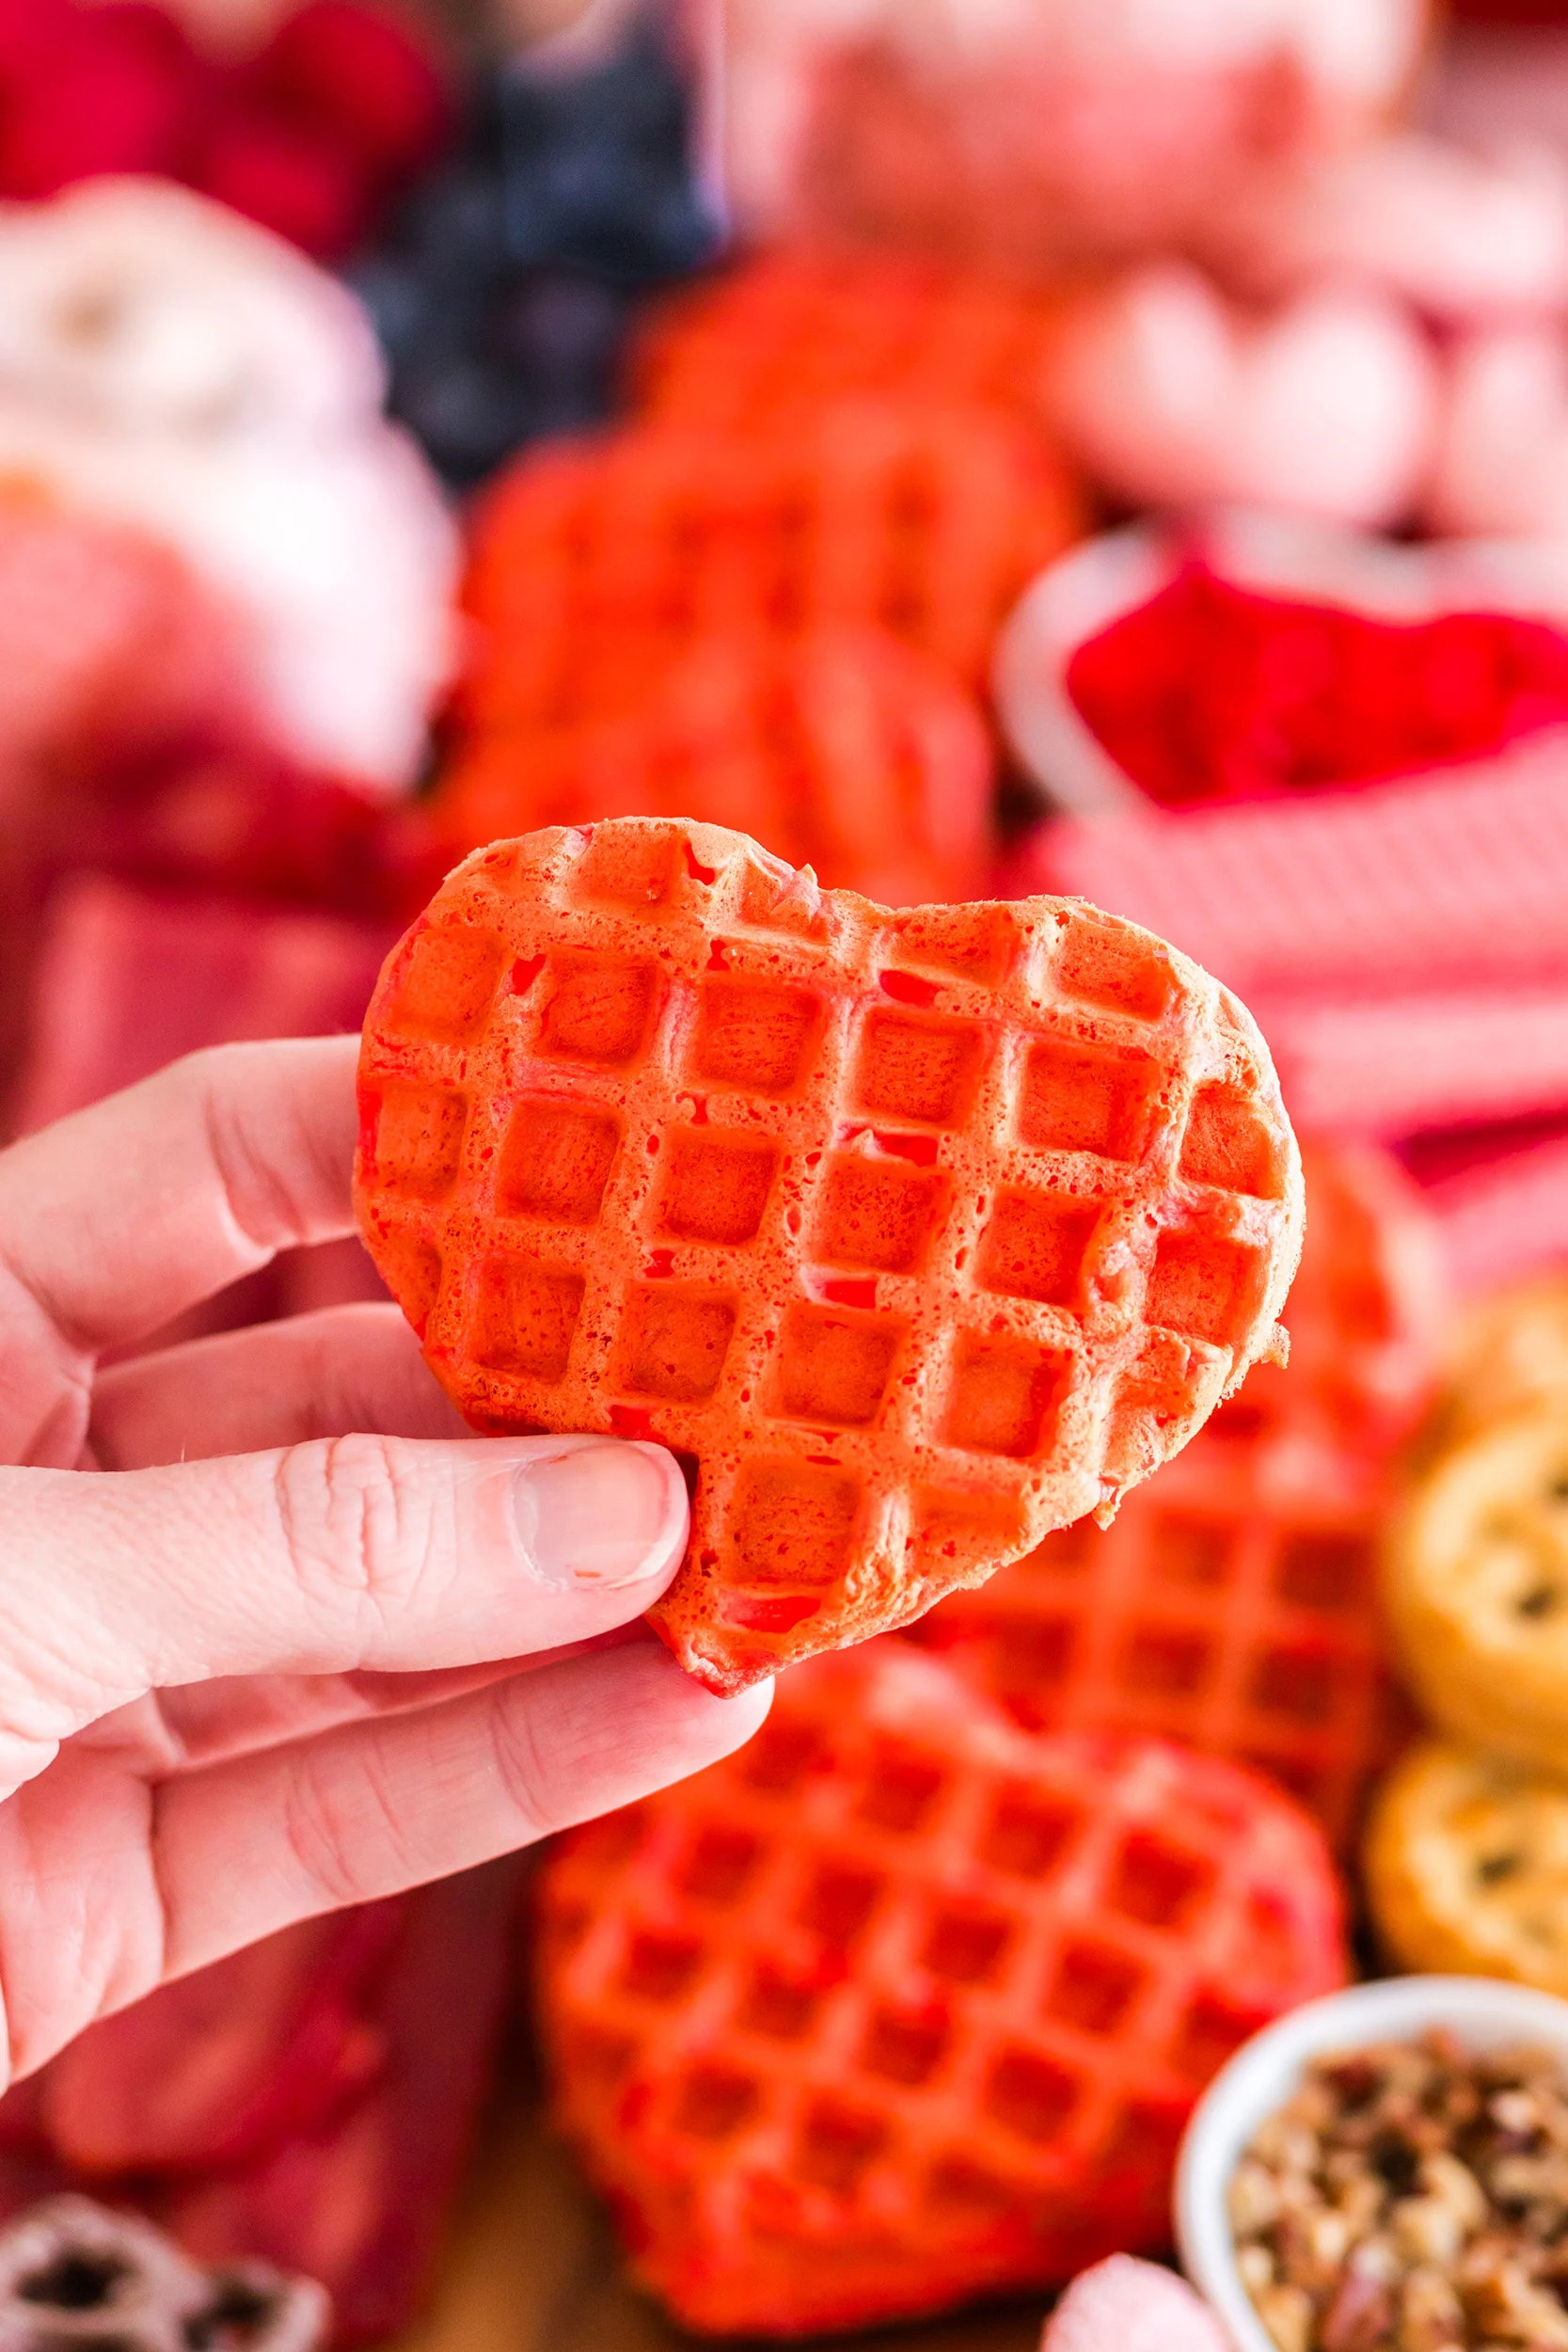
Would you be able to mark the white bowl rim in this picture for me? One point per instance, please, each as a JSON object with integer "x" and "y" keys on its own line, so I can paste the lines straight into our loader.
{"x": 1264, "y": 2072}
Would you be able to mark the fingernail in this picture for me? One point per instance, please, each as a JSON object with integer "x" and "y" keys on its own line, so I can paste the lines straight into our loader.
{"x": 605, "y": 1514}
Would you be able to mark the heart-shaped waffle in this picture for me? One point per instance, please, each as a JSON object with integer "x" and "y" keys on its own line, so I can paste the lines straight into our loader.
{"x": 922, "y": 517}
{"x": 923, "y": 1233}
{"x": 900, "y": 2006}
{"x": 1234, "y": 1604}
{"x": 840, "y": 748}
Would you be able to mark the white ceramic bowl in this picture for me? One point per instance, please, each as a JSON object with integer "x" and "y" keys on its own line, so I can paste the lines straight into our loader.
{"x": 1481, "y": 2011}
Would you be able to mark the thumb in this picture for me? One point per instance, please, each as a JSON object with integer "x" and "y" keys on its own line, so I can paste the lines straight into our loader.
{"x": 331, "y": 1557}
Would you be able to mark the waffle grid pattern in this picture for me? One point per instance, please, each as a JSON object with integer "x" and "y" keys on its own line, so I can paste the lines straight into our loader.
{"x": 839, "y": 747}
{"x": 791, "y": 331}
{"x": 1233, "y": 1606}
{"x": 925, "y": 521}
{"x": 897, "y": 2006}
{"x": 76, "y": 2276}
{"x": 923, "y": 1234}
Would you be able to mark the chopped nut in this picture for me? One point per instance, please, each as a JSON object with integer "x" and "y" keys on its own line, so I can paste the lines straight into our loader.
{"x": 1255, "y": 2268}
{"x": 1287, "y": 2314}
{"x": 1426, "y": 2230}
{"x": 1359, "y": 2317}
{"x": 1454, "y": 2185}
{"x": 1412, "y": 2197}
{"x": 1431, "y": 2314}
{"x": 1253, "y": 2199}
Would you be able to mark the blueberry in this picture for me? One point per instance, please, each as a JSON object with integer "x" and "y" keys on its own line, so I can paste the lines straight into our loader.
{"x": 396, "y": 297}
{"x": 468, "y": 412}
{"x": 455, "y": 230}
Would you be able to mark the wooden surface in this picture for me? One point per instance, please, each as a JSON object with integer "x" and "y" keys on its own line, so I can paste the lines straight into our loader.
{"x": 531, "y": 2266}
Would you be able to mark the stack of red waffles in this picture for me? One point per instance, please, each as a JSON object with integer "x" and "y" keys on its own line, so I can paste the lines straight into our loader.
{"x": 769, "y": 601}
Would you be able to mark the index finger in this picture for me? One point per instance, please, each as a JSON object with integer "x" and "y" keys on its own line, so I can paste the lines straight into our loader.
{"x": 121, "y": 1216}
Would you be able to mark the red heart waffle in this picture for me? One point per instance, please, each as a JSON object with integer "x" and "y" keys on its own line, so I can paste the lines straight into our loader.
{"x": 1234, "y": 1605}
{"x": 898, "y": 2006}
{"x": 1369, "y": 1310}
{"x": 792, "y": 330}
{"x": 922, "y": 518}
{"x": 923, "y": 1233}
{"x": 75, "y": 2277}
{"x": 842, "y": 749}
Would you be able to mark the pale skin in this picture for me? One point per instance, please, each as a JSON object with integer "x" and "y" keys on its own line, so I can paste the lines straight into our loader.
{"x": 276, "y": 1634}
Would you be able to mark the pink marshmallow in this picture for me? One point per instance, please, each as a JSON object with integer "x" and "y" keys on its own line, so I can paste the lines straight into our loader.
{"x": 1462, "y": 236}
{"x": 1502, "y": 454}
{"x": 1170, "y": 396}
{"x": 1124, "y": 2305}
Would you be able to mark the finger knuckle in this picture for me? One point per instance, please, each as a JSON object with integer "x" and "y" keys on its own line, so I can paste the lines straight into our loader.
{"x": 358, "y": 1520}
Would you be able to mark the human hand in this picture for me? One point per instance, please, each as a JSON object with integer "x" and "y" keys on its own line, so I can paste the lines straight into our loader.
{"x": 254, "y": 1666}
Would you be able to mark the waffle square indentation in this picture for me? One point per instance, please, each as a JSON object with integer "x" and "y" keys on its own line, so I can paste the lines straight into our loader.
{"x": 1205, "y": 1286}
{"x": 905, "y": 2045}
{"x": 1165, "y": 1662}
{"x": 923, "y": 1071}
{"x": 1296, "y": 1680}
{"x": 418, "y": 1140}
{"x": 1157, "y": 1883}
{"x": 966, "y": 1944}
{"x": 1034, "y": 1246}
{"x": 526, "y": 1316}
{"x": 779, "y": 2007}
{"x": 414, "y": 1274}
{"x": 1094, "y": 1987}
{"x": 1103, "y": 964}
{"x": 556, "y": 1161}
{"x": 834, "y": 1367}
{"x": 837, "y": 2146}
{"x": 793, "y": 1525}
{"x": 1229, "y": 1144}
{"x": 715, "y": 2102}
{"x": 630, "y": 870}
{"x": 1324, "y": 1571}
{"x": 448, "y": 984}
{"x": 1000, "y": 1396}
{"x": 1029, "y": 2094}
{"x": 676, "y": 1342}
{"x": 1077, "y": 1100}
{"x": 716, "y": 1186}
{"x": 1193, "y": 1551}
{"x": 598, "y": 1009}
{"x": 1028, "y": 1834}
{"x": 752, "y": 1036}
{"x": 875, "y": 1215}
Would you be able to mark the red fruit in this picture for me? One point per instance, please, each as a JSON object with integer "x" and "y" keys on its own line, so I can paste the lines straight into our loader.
{"x": 289, "y": 177}
{"x": 361, "y": 2202}
{"x": 27, "y": 29}
{"x": 366, "y": 80}
{"x": 899, "y": 2005}
{"x": 221, "y": 2066}
{"x": 111, "y": 93}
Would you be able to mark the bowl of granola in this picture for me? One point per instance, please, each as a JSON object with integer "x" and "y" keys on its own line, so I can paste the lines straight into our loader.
{"x": 1387, "y": 2167}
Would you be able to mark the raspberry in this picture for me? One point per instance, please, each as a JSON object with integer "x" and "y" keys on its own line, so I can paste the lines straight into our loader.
{"x": 362, "y": 79}
{"x": 292, "y": 178}
{"x": 111, "y": 93}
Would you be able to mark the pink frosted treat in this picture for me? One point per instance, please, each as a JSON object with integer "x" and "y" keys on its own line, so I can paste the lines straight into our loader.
{"x": 1124, "y": 2305}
